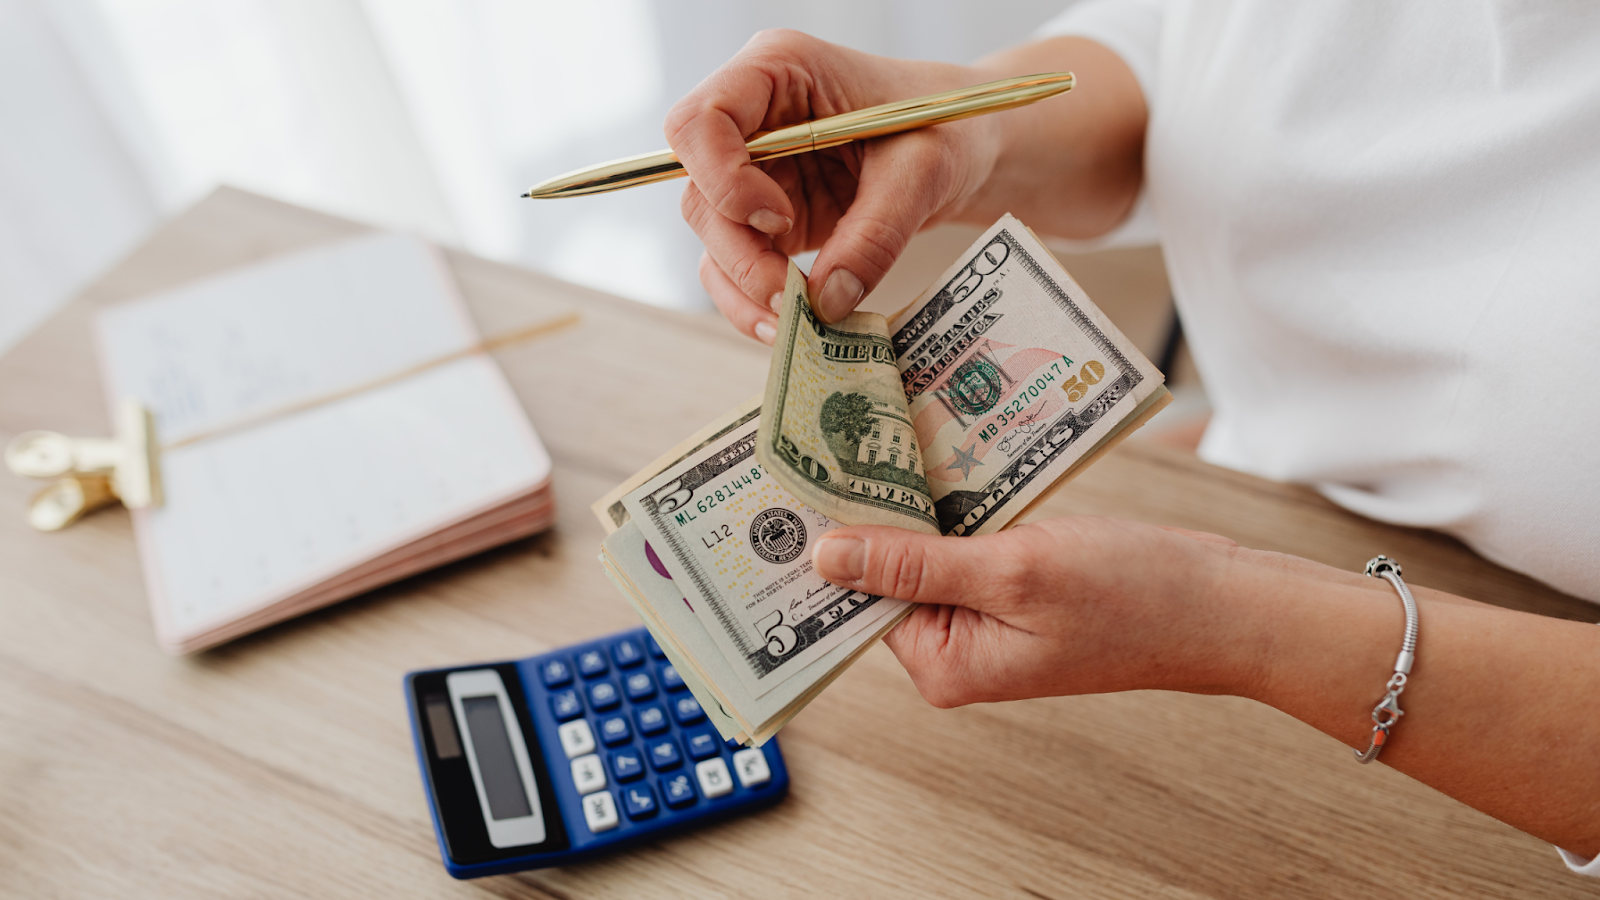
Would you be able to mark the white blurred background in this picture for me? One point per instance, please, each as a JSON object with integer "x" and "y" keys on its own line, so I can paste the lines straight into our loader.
{"x": 424, "y": 115}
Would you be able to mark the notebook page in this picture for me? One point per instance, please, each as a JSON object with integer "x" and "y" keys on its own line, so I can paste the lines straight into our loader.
{"x": 256, "y": 515}
{"x": 256, "y": 338}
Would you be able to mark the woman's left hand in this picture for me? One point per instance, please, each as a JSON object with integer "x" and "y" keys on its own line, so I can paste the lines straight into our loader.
{"x": 1496, "y": 711}
{"x": 1063, "y": 606}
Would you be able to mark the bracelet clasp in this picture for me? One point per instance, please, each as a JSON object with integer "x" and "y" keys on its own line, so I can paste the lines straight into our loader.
{"x": 1388, "y": 710}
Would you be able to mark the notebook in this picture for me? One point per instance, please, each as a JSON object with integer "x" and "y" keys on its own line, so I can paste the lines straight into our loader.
{"x": 326, "y": 429}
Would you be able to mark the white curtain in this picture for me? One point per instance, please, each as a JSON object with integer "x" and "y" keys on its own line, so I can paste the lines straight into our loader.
{"x": 423, "y": 115}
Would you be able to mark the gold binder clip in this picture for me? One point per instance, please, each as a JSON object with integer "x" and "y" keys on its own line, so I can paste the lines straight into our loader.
{"x": 90, "y": 472}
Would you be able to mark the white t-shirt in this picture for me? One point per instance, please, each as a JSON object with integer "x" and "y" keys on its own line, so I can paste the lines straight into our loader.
{"x": 1382, "y": 225}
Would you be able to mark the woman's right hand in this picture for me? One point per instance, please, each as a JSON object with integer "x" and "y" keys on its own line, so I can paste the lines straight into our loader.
{"x": 1070, "y": 166}
{"x": 860, "y": 202}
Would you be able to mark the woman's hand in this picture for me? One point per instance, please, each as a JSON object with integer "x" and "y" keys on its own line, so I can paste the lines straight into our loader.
{"x": 860, "y": 202}
{"x": 1069, "y": 166}
{"x": 1064, "y": 606}
{"x": 1498, "y": 708}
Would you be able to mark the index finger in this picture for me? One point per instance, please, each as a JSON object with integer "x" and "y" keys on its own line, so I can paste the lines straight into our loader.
{"x": 707, "y": 129}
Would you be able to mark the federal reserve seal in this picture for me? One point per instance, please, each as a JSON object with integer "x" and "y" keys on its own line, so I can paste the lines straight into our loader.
{"x": 975, "y": 387}
{"x": 777, "y": 535}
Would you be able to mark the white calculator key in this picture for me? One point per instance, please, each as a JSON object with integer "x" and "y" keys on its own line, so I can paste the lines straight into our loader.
{"x": 588, "y": 774}
{"x": 751, "y": 764}
{"x": 576, "y": 738}
{"x": 713, "y": 777}
{"x": 600, "y": 811}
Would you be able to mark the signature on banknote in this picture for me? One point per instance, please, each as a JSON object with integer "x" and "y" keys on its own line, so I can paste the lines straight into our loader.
{"x": 1026, "y": 426}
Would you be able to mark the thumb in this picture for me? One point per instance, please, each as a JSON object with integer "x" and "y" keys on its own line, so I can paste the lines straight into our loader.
{"x": 905, "y": 565}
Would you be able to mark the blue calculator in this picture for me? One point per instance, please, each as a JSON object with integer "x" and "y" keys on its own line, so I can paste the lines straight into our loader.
{"x": 574, "y": 753}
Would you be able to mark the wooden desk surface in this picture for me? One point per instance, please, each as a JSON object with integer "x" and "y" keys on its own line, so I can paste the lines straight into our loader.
{"x": 281, "y": 765}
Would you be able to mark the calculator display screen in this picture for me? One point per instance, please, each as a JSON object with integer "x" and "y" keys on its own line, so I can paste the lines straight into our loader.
{"x": 498, "y": 766}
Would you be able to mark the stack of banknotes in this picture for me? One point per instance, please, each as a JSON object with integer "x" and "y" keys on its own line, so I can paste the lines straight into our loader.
{"x": 955, "y": 416}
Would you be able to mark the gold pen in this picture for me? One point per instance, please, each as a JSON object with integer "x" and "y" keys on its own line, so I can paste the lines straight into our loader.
{"x": 874, "y": 121}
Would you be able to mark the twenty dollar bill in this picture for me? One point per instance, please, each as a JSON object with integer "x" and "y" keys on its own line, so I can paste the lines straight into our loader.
{"x": 835, "y": 427}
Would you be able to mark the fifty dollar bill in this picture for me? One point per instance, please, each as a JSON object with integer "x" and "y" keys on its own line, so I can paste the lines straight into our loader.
{"x": 961, "y": 411}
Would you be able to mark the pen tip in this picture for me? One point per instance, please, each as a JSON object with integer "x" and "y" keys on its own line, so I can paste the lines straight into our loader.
{"x": 527, "y": 193}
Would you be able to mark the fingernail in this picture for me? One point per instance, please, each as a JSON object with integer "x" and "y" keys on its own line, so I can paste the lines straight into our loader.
{"x": 768, "y": 222}
{"x": 841, "y": 558}
{"x": 776, "y": 302}
{"x": 840, "y": 295}
{"x": 766, "y": 333}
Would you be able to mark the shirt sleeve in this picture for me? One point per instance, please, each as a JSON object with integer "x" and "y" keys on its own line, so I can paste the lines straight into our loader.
{"x": 1132, "y": 30}
{"x": 1580, "y": 865}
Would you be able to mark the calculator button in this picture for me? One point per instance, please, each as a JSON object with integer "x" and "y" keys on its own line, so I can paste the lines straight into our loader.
{"x": 701, "y": 744}
{"x": 600, "y": 812}
{"x": 652, "y": 718}
{"x": 654, "y": 648}
{"x": 639, "y": 686}
{"x": 614, "y": 730}
{"x": 670, "y": 679}
{"x": 592, "y": 663}
{"x": 640, "y": 801}
{"x": 604, "y": 695}
{"x": 566, "y": 705}
{"x": 588, "y": 775}
{"x": 627, "y": 653}
{"x": 687, "y": 710}
{"x": 626, "y": 764}
{"x": 556, "y": 673}
{"x": 678, "y": 791}
{"x": 664, "y": 754}
{"x": 751, "y": 767}
{"x": 713, "y": 777}
{"x": 576, "y": 738}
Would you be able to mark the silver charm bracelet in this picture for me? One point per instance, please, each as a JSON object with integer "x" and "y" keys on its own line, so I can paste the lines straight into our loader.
{"x": 1388, "y": 711}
